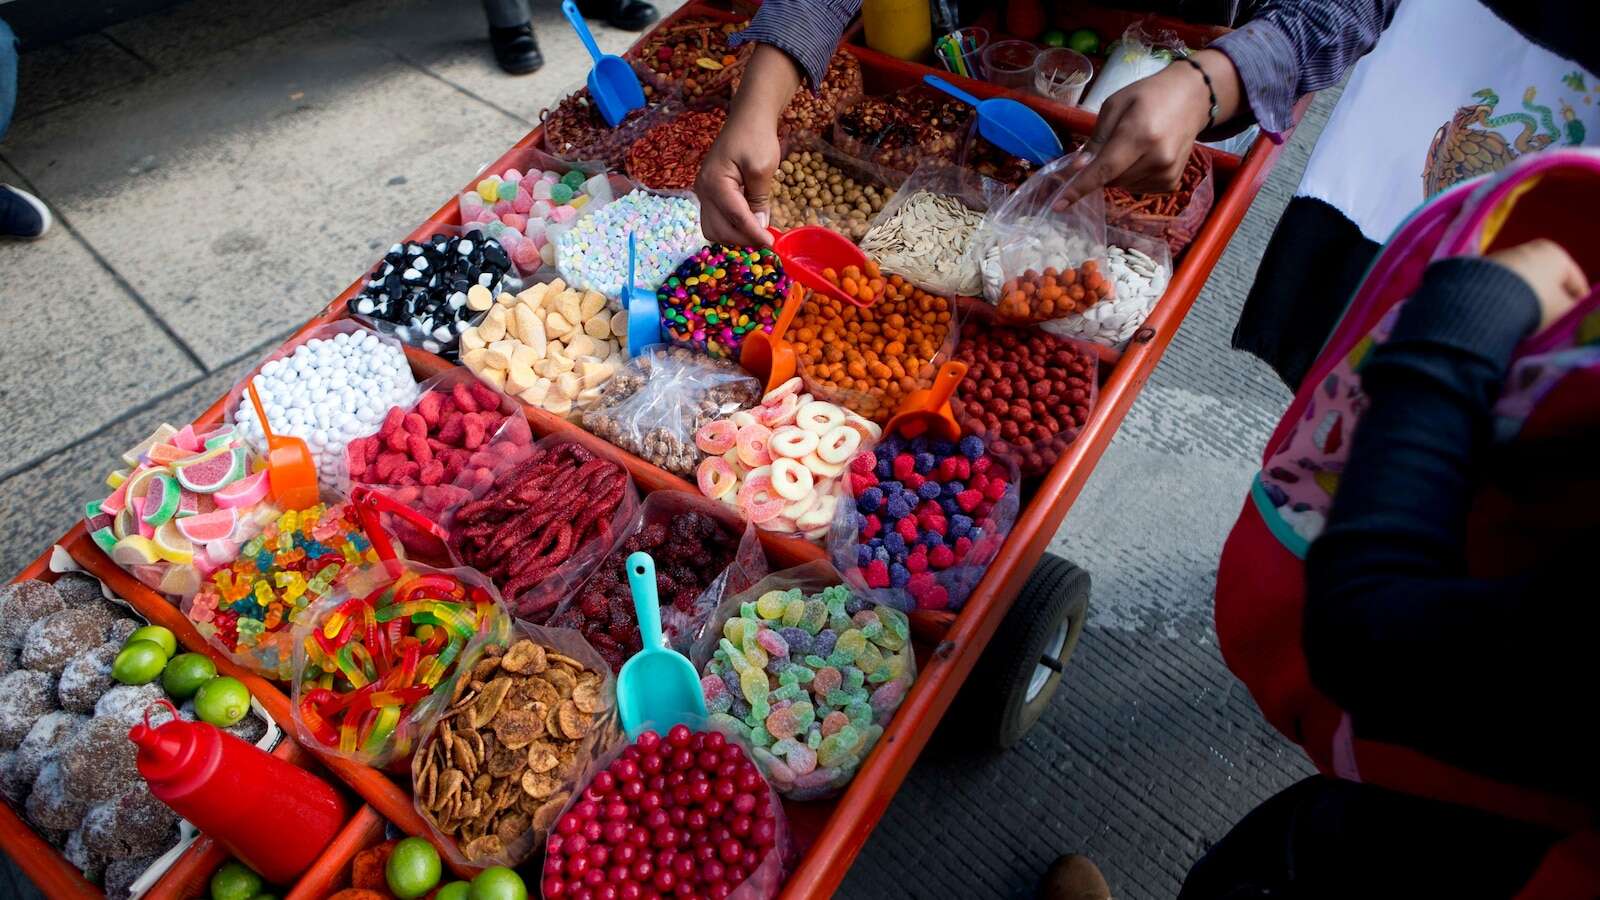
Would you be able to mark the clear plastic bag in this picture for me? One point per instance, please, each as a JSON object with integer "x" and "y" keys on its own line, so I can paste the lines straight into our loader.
{"x": 881, "y": 563}
{"x": 925, "y": 232}
{"x": 818, "y": 184}
{"x": 526, "y": 213}
{"x": 865, "y": 674}
{"x": 537, "y": 527}
{"x": 592, "y": 255}
{"x": 763, "y": 881}
{"x": 720, "y": 549}
{"x": 1138, "y": 268}
{"x": 1174, "y": 217}
{"x": 574, "y": 129}
{"x": 419, "y": 313}
{"x": 905, "y": 130}
{"x": 697, "y": 61}
{"x": 366, "y": 685}
{"x": 1136, "y": 55}
{"x": 418, "y": 462}
{"x": 1039, "y": 255}
{"x": 515, "y": 830}
{"x": 653, "y": 407}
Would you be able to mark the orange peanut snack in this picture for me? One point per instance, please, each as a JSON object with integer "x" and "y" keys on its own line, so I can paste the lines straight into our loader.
{"x": 1041, "y": 296}
{"x": 871, "y": 357}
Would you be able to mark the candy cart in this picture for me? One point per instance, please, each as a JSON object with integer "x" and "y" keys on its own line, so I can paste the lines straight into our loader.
{"x": 993, "y": 665}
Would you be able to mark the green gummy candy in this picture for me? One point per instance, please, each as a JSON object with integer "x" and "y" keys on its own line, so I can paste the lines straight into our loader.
{"x": 870, "y": 659}
{"x": 837, "y": 746}
{"x": 872, "y": 630}
{"x": 789, "y": 692}
{"x": 733, "y": 630}
{"x": 896, "y": 629}
{"x": 859, "y": 714}
{"x": 747, "y": 610}
{"x": 814, "y": 739}
{"x": 878, "y": 677}
{"x": 573, "y": 179}
{"x": 788, "y": 678}
{"x": 815, "y": 616}
{"x": 804, "y": 714}
{"x": 794, "y": 612}
{"x": 838, "y": 698}
{"x": 815, "y": 661}
{"x": 753, "y": 683}
{"x": 560, "y": 193}
{"x": 851, "y": 642}
{"x": 736, "y": 659}
{"x": 853, "y": 679}
{"x": 723, "y": 721}
{"x": 802, "y": 674}
{"x": 760, "y": 709}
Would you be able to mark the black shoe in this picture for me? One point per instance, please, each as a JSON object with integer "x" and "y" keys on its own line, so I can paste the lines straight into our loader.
{"x": 22, "y": 215}
{"x": 629, "y": 15}
{"x": 516, "y": 49}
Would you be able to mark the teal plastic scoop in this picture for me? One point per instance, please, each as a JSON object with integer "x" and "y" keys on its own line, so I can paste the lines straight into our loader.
{"x": 613, "y": 85}
{"x": 658, "y": 686}
{"x": 644, "y": 310}
{"x": 1009, "y": 125}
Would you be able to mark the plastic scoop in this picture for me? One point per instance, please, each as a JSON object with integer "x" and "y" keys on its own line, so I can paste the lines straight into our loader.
{"x": 928, "y": 411}
{"x": 613, "y": 85}
{"x": 769, "y": 356}
{"x": 1009, "y": 125}
{"x": 644, "y": 310}
{"x": 657, "y": 686}
{"x": 291, "y": 472}
{"x": 809, "y": 249}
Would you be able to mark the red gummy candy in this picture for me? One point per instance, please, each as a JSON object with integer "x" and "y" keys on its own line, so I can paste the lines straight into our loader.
{"x": 969, "y": 499}
{"x": 396, "y": 439}
{"x": 913, "y": 481}
{"x": 932, "y": 520}
{"x": 982, "y": 465}
{"x": 904, "y": 465}
{"x": 387, "y": 465}
{"x": 463, "y": 396}
{"x": 356, "y": 461}
{"x": 870, "y": 527}
{"x": 936, "y": 597}
{"x": 391, "y": 422}
{"x": 876, "y": 574}
{"x": 416, "y": 425}
{"x": 453, "y": 429}
{"x": 860, "y": 482}
{"x": 432, "y": 473}
{"x": 430, "y": 407}
{"x": 863, "y": 464}
{"x": 419, "y": 450}
{"x": 947, "y": 468}
{"x": 995, "y": 489}
{"x": 407, "y": 472}
{"x": 487, "y": 399}
{"x": 963, "y": 546}
{"x": 917, "y": 561}
{"x": 941, "y": 557}
{"x": 920, "y": 585}
{"x": 474, "y": 432}
{"x": 907, "y": 528}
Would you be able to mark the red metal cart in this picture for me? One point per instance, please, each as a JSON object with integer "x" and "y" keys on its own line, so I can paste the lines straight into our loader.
{"x": 1035, "y": 602}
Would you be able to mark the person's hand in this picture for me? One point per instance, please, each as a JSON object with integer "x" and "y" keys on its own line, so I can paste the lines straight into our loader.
{"x": 735, "y": 183}
{"x": 1555, "y": 277}
{"x": 1147, "y": 130}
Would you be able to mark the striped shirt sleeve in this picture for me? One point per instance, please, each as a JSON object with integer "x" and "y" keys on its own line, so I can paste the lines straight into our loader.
{"x": 807, "y": 30}
{"x": 1292, "y": 47}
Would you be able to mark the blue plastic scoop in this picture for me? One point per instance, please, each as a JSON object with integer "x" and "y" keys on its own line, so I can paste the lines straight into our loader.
{"x": 657, "y": 686}
{"x": 644, "y": 310}
{"x": 613, "y": 85}
{"x": 1009, "y": 125}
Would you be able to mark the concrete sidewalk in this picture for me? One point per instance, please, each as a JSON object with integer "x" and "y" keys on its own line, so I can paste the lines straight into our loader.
{"x": 219, "y": 175}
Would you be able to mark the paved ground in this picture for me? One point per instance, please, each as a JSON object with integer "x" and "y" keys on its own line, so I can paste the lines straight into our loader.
{"x": 219, "y": 176}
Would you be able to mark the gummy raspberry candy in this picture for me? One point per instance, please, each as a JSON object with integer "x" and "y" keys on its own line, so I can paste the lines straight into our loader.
{"x": 930, "y": 490}
{"x": 917, "y": 560}
{"x": 860, "y": 483}
{"x": 884, "y": 468}
{"x": 900, "y": 507}
{"x": 914, "y": 482}
{"x": 863, "y": 464}
{"x": 972, "y": 447}
{"x": 896, "y": 543}
{"x": 898, "y": 575}
{"x": 960, "y": 525}
{"x": 870, "y": 527}
{"x": 947, "y": 468}
{"x": 869, "y": 500}
{"x": 995, "y": 489}
{"x": 906, "y": 528}
{"x": 881, "y": 554}
{"x": 925, "y": 463}
{"x": 941, "y": 557}
{"x": 904, "y": 464}
{"x": 969, "y": 499}
{"x": 963, "y": 546}
{"x": 876, "y": 574}
{"x": 931, "y": 539}
{"x": 863, "y": 555}
{"x": 982, "y": 465}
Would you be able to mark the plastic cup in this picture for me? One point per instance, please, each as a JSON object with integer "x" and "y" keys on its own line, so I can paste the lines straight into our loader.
{"x": 967, "y": 45}
{"x": 1011, "y": 63}
{"x": 1062, "y": 73}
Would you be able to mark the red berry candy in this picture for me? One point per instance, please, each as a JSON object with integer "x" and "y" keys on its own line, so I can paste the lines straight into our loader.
{"x": 904, "y": 465}
{"x": 864, "y": 463}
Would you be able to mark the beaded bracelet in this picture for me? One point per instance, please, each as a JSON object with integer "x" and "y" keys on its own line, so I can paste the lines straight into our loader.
{"x": 1211, "y": 115}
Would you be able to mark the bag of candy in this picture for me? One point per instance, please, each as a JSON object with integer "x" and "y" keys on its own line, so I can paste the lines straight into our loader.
{"x": 818, "y": 184}
{"x": 920, "y": 520}
{"x": 905, "y": 130}
{"x": 427, "y": 292}
{"x": 532, "y": 709}
{"x": 690, "y": 54}
{"x": 1137, "y": 269}
{"x": 1174, "y": 217}
{"x": 1136, "y": 55}
{"x": 377, "y": 662}
{"x": 327, "y": 386}
{"x": 925, "y": 232}
{"x": 592, "y": 255}
{"x": 533, "y": 199}
{"x": 809, "y": 672}
{"x": 655, "y": 404}
{"x": 702, "y": 552}
{"x": 458, "y": 424}
{"x": 814, "y": 111}
{"x": 1027, "y": 392}
{"x": 1040, "y": 256}
{"x": 574, "y": 130}
{"x": 539, "y": 525}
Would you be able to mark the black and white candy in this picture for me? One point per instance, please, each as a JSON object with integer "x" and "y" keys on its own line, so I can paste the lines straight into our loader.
{"x": 420, "y": 288}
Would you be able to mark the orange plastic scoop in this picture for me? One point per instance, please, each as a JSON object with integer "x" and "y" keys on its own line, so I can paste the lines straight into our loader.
{"x": 809, "y": 249}
{"x": 768, "y": 356}
{"x": 291, "y": 472}
{"x": 928, "y": 411}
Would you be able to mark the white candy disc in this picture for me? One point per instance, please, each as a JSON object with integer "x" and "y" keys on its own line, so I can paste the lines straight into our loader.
{"x": 839, "y": 444}
{"x": 790, "y": 480}
{"x": 819, "y": 417}
{"x": 793, "y": 442}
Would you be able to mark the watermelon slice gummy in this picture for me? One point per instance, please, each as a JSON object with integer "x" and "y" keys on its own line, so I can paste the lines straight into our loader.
{"x": 247, "y": 491}
{"x": 161, "y": 500}
{"x": 210, "y": 473}
{"x": 216, "y": 525}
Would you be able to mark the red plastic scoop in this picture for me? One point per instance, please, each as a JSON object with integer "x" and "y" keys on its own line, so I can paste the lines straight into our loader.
{"x": 928, "y": 411}
{"x": 291, "y": 472}
{"x": 809, "y": 249}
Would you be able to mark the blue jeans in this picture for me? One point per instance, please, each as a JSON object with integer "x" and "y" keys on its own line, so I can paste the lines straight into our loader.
{"x": 8, "y": 76}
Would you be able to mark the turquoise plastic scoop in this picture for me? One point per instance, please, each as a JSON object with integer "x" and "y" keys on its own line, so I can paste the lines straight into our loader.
{"x": 657, "y": 686}
{"x": 644, "y": 310}
{"x": 613, "y": 85}
{"x": 1009, "y": 125}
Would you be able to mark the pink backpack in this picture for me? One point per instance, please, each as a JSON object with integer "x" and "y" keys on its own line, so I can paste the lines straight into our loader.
{"x": 1553, "y": 389}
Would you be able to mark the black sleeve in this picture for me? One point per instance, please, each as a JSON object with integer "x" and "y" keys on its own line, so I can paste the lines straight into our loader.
{"x": 1476, "y": 672}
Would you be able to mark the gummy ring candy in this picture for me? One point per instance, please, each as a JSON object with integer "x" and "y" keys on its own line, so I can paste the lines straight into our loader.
{"x": 781, "y": 525}
{"x": 716, "y": 437}
{"x": 818, "y": 516}
{"x": 870, "y": 432}
{"x": 839, "y": 444}
{"x": 792, "y": 442}
{"x": 715, "y": 477}
{"x": 757, "y": 500}
{"x": 819, "y": 416}
{"x": 799, "y": 507}
{"x": 742, "y": 418}
{"x": 790, "y": 388}
{"x": 752, "y": 445}
{"x": 820, "y": 467}
{"x": 790, "y": 480}
{"x": 781, "y": 413}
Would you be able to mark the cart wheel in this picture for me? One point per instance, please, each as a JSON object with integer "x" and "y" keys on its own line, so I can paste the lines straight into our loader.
{"x": 1013, "y": 681}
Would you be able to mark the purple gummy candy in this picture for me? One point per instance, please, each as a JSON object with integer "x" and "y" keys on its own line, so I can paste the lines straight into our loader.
{"x": 925, "y": 462}
{"x": 892, "y": 446}
{"x": 960, "y": 525}
{"x": 930, "y": 490}
{"x": 952, "y": 488}
{"x": 730, "y": 679}
{"x": 895, "y": 542}
{"x": 899, "y": 507}
{"x": 899, "y": 575}
{"x": 930, "y": 539}
{"x": 823, "y": 645}
{"x": 864, "y": 554}
{"x": 854, "y": 604}
{"x": 941, "y": 448}
{"x": 884, "y": 468}
{"x": 870, "y": 499}
{"x": 972, "y": 446}
{"x": 919, "y": 445}
{"x": 881, "y": 554}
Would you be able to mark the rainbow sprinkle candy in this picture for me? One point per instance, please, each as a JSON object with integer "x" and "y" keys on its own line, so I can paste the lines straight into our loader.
{"x": 722, "y": 293}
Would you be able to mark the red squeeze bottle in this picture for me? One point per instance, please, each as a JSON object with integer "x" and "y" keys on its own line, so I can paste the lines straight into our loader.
{"x": 275, "y": 817}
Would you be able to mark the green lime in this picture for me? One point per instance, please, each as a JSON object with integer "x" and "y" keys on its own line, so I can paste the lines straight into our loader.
{"x": 235, "y": 881}
{"x": 1055, "y": 37}
{"x": 139, "y": 662}
{"x": 157, "y": 635}
{"x": 185, "y": 673}
{"x": 413, "y": 868}
{"x": 1085, "y": 41}
{"x": 498, "y": 883}
{"x": 222, "y": 701}
{"x": 455, "y": 890}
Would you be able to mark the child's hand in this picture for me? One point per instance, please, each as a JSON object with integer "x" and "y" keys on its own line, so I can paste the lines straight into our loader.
{"x": 1550, "y": 271}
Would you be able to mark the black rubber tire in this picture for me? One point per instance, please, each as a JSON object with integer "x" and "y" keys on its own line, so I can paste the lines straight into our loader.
{"x": 993, "y": 711}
